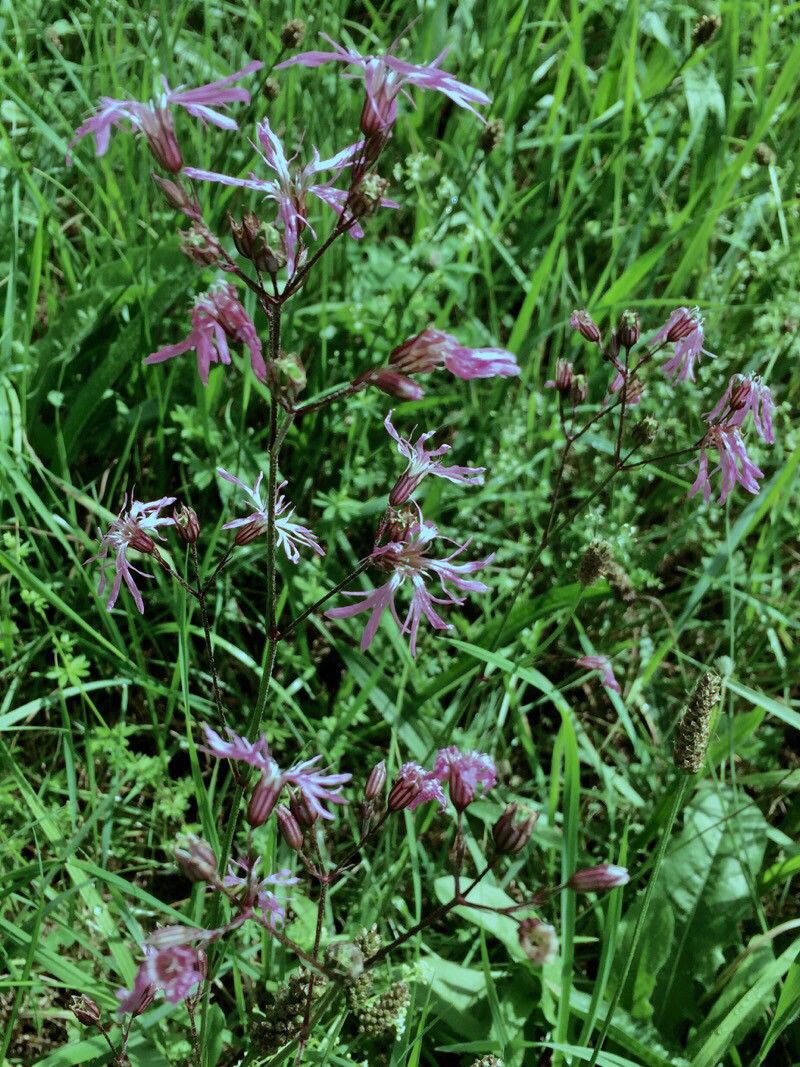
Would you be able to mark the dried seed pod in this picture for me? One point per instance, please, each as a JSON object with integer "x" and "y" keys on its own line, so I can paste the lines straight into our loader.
{"x": 694, "y": 728}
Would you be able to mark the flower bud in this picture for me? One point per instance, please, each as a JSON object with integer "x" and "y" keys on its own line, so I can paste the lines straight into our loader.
{"x": 538, "y": 940}
{"x": 694, "y": 729}
{"x": 510, "y": 836}
{"x": 263, "y": 799}
{"x": 493, "y": 133}
{"x": 271, "y": 88}
{"x": 293, "y": 33}
{"x": 142, "y": 542}
{"x": 302, "y": 811}
{"x": 196, "y": 859}
{"x": 583, "y": 322}
{"x": 706, "y": 29}
{"x": 187, "y": 525}
{"x": 177, "y": 197}
{"x": 462, "y": 793}
{"x": 200, "y": 245}
{"x": 401, "y": 794}
{"x": 563, "y": 377}
{"x": 376, "y": 781}
{"x": 612, "y": 348}
{"x": 597, "y": 879}
{"x": 595, "y": 562}
{"x": 85, "y": 1010}
{"x": 629, "y": 329}
{"x": 740, "y": 392}
{"x": 390, "y": 382}
{"x": 365, "y": 199}
{"x": 248, "y": 533}
{"x": 292, "y": 834}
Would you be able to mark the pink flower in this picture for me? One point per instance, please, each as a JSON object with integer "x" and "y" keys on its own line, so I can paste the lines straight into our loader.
{"x": 292, "y": 185}
{"x": 464, "y": 771}
{"x": 288, "y": 534}
{"x": 170, "y": 964}
{"x": 746, "y": 393}
{"x": 216, "y": 317}
{"x": 597, "y": 879}
{"x": 408, "y": 560}
{"x": 602, "y": 664}
{"x": 684, "y": 329}
{"x": 256, "y": 900}
{"x": 422, "y": 462}
{"x": 134, "y": 528}
{"x": 385, "y": 77}
{"x": 734, "y": 463}
{"x": 317, "y": 788}
{"x": 154, "y": 119}
{"x": 414, "y": 786}
{"x": 433, "y": 348}
{"x": 255, "y": 753}
{"x": 635, "y": 388}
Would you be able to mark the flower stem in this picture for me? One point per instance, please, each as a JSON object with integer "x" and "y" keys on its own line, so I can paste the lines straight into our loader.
{"x": 332, "y": 592}
{"x": 212, "y": 665}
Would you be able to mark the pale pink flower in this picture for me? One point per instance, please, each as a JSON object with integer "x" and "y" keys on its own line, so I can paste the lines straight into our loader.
{"x": 432, "y": 348}
{"x": 602, "y": 664}
{"x": 256, "y": 900}
{"x": 133, "y": 528}
{"x": 317, "y": 788}
{"x": 384, "y": 79}
{"x": 598, "y": 879}
{"x": 684, "y": 329}
{"x": 408, "y": 560}
{"x": 746, "y": 393}
{"x": 288, "y": 533}
{"x": 422, "y": 462}
{"x": 171, "y": 965}
{"x": 291, "y": 186}
{"x": 154, "y": 119}
{"x": 464, "y": 772}
{"x": 217, "y": 316}
{"x": 734, "y": 464}
{"x": 414, "y": 786}
{"x": 635, "y": 388}
{"x": 255, "y": 753}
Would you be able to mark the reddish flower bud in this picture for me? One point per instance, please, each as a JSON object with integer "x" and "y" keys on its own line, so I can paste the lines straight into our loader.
{"x": 263, "y": 799}
{"x": 187, "y": 525}
{"x": 510, "y": 836}
{"x": 376, "y": 781}
{"x": 597, "y": 879}
{"x": 85, "y": 1010}
{"x": 741, "y": 387}
{"x": 302, "y": 811}
{"x": 538, "y": 940}
{"x": 177, "y": 197}
{"x": 390, "y": 382}
{"x": 159, "y": 130}
{"x": 563, "y": 377}
{"x": 583, "y": 322}
{"x": 629, "y": 329}
{"x": 292, "y": 834}
{"x": 401, "y": 795}
{"x": 196, "y": 859}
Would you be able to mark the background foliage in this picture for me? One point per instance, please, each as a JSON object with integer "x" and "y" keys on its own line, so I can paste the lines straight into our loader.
{"x": 634, "y": 172}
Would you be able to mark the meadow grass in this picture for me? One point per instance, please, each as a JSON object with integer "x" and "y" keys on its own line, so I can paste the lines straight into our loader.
{"x": 636, "y": 171}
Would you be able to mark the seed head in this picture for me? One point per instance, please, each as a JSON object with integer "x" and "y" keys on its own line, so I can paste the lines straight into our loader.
{"x": 386, "y": 1012}
{"x": 271, "y": 88}
{"x": 694, "y": 729}
{"x": 595, "y": 563}
{"x": 493, "y": 133}
{"x": 706, "y": 29}
{"x": 292, "y": 33}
